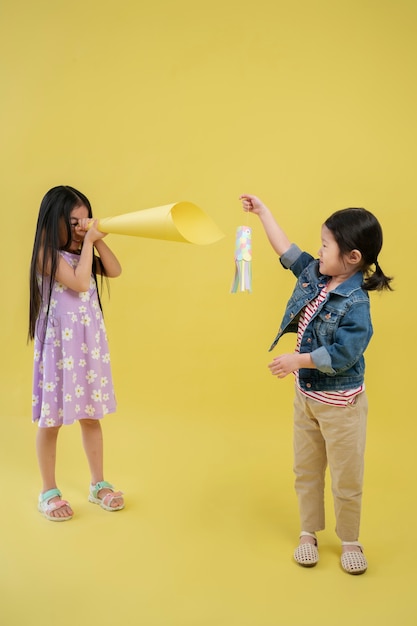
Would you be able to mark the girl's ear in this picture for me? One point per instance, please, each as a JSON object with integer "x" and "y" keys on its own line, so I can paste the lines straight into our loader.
{"x": 355, "y": 257}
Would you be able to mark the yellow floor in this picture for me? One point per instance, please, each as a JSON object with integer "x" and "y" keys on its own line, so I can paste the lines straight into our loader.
{"x": 311, "y": 105}
{"x": 207, "y": 534}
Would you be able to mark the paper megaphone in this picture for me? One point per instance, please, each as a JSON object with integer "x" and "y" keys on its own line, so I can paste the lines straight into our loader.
{"x": 181, "y": 221}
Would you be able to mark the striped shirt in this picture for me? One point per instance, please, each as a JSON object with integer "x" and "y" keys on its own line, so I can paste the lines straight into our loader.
{"x": 335, "y": 398}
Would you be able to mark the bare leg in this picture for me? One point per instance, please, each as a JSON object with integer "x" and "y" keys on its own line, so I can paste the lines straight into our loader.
{"x": 92, "y": 437}
{"x": 351, "y": 548}
{"x": 46, "y": 440}
{"x": 308, "y": 539}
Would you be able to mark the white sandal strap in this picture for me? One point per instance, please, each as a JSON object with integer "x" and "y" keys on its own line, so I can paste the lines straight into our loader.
{"x": 354, "y": 562}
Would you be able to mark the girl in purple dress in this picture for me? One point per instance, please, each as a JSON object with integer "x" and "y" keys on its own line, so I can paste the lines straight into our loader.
{"x": 72, "y": 375}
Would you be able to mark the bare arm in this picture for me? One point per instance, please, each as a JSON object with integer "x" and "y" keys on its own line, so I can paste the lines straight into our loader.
{"x": 277, "y": 237}
{"x": 78, "y": 278}
{"x": 109, "y": 260}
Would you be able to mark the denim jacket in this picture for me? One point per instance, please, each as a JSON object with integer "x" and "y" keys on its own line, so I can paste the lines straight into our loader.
{"x": 338, "y": 332}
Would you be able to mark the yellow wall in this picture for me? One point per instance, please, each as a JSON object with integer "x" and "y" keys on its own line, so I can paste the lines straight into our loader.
{"x": 311, "y": 106}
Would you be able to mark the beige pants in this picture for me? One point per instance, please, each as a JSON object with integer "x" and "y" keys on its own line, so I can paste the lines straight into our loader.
{"x": 335, "y": 436}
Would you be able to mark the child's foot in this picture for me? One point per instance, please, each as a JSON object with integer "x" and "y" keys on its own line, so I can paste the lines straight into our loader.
{"x": 307, "y": 553}
{"x": 353, "y": 559}
{"x": 51, "y": 505}
{"x": 103, "y": 493}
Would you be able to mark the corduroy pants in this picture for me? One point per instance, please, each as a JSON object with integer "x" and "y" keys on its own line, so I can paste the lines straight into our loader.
{"x": 334, "y": 436}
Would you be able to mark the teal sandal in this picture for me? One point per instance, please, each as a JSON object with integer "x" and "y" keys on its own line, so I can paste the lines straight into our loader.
{"x": 46, "y": 507}
{"x": 106, "y": 501}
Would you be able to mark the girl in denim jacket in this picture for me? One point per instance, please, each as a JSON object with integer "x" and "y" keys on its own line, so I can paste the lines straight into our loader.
{"x": 329, "y": 312}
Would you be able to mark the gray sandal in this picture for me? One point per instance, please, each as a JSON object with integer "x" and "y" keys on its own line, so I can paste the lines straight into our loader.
{"x": 307, "y": 554}
{"x": 353, "y": 562}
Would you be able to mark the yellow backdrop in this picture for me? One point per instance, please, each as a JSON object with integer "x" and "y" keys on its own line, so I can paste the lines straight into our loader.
{"x": 311, "y": 106}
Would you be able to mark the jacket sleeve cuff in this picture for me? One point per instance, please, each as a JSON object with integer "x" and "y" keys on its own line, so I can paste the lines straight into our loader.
{"x": 322, "y": 361}
{"x": 290, "y": 256}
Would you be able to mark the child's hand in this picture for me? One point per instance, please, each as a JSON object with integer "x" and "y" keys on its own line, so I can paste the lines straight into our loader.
{"x": 284, "y": 364}
{"x": 87, "y": 228}
{"x": 252, "y": 204}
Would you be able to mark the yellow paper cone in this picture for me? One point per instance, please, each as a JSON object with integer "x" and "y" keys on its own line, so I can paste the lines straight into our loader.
{"x": 181, "y": 221}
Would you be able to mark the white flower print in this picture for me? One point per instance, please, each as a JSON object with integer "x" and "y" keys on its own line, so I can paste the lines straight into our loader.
{"x": 76, "y": 378}
{"x": 79, "y": 391}
{"x": 67, "y": 334}
{"x": 91, "y": 376}
{"x": 69, "y": 363}
{"x": 85, "y": 319}
{"x": 45, "y": 410}
{"x": 96, "y": 395}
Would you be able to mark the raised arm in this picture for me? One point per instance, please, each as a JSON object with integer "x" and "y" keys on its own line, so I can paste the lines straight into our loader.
{"x": 108, "y": 258}
{"x": 277, "y": 237}
{"x": 78, "y": 278}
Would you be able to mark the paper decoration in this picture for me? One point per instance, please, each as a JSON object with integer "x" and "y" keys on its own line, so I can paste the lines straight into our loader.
{"x": 243, "y": 260}
{"x": 181, "y": 221}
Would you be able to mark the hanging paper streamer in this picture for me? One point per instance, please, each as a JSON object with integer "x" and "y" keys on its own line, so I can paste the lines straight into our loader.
{"x": 243, "y": 260}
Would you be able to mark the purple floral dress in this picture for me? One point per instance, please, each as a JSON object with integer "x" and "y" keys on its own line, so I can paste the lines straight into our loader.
{"x": 72, "y": 374}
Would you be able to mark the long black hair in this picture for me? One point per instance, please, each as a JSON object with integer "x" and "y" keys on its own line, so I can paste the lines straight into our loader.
{"x": 54, "y": 216}
{"x": 358, "y": 229}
